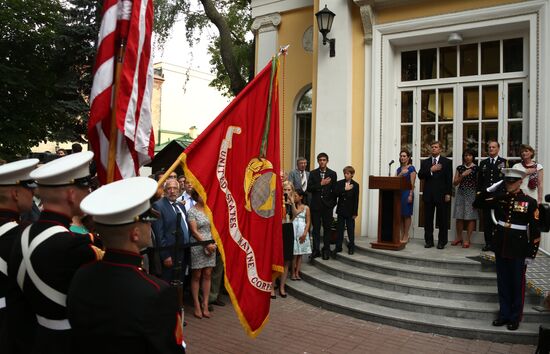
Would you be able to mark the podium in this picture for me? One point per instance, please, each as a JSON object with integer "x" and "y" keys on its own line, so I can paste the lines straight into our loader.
{"x": 389, "y": 211}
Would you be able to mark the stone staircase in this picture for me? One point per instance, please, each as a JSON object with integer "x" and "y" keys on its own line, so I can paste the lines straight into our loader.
{"x": 450, "y": 292}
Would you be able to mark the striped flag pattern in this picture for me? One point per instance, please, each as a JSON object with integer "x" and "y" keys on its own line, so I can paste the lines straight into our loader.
{"x": 131, "y": 21}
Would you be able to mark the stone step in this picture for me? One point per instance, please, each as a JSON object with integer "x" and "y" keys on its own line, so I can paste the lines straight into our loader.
{"x": 424, "y": 322}
{"x": 393, "y": 266}
{"x": 460, "y": 301}
{"x": 414, "y": 254}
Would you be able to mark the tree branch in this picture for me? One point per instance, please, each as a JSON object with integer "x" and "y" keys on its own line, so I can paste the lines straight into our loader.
{"x": 226, "y": 46}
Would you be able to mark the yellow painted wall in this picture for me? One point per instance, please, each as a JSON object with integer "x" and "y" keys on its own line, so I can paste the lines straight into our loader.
{"x": 297, "y": 75}
{"x": 425, "y": 8}
{"x": 357, "y": 102}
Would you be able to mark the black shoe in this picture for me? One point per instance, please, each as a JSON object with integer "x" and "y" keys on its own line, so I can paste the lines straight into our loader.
{"x": 512, "y": 326}
{"x": 273, "y": 297}
{"x": 333, "y": 254}
{"x": 486, "y": 248}
{"x": 351, "y": 250}
{"x": 337, "y": 250}
{"x": 499, "y": 322}
{"x": 440, "y": 246}
{"x": 218, "y": 302}
{"x": 315, "y": 254}
{"x": 326, "y": 255}
{"x": 428, "y": 245}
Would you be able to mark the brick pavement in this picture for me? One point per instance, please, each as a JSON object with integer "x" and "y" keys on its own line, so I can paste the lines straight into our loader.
{"x": 297, "y": 327}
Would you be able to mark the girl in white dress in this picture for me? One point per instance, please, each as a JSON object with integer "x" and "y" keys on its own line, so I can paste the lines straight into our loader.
{"x": 302, "y": 243}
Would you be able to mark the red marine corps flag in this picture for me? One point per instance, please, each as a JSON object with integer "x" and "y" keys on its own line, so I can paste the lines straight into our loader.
{"x": 120, "y": 129}
{"x": 234, "y": 165}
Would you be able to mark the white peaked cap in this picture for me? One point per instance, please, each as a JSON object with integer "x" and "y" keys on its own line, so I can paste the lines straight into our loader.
{"x": 15, "y": 172}
{"x": 120, "y": 202}
{"x": 64, "y": 170}
{"x": 513, "y": 173}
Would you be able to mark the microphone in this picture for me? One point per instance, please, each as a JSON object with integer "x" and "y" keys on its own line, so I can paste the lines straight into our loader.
{"x": 391, "y": 162}
{"x": 389, "y": 168}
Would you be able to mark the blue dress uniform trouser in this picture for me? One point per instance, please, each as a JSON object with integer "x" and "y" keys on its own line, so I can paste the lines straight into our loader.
{"x": 511, "y": 287}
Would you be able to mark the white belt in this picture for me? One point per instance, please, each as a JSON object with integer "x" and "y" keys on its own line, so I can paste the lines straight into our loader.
{"x": 2, "y": 302}
{"x": 56, "y": 325}
{"x": 512, "y": 226}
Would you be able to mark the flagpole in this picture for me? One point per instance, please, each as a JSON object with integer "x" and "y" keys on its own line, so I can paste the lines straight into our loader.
{"x": 113, "y": 132}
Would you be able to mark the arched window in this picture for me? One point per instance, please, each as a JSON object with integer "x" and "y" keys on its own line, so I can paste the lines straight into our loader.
{"x": 303, "y": 126}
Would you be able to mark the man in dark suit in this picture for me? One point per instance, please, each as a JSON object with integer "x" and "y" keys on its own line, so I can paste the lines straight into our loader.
{"x": 165, "y": 228}
{"x": 113, "y": 305}
{"x": 347, "y": 191}
{"x": 437, "y": 174}
{"x": 321, "y": 184}
{"x": 489, "y": 174}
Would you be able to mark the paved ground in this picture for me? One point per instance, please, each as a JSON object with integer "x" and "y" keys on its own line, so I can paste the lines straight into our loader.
{"x": 297, "y": 327}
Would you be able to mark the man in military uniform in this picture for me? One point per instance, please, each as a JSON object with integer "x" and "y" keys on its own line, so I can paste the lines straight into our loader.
{"x": 515, "y": 242}
{"x": 113, "y": 301}
{"x": 489, "y": 174}
{"x": 48, "y": 254}
{"x": 16, "y": 192}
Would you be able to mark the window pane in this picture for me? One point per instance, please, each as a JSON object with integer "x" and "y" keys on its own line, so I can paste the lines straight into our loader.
{"x": 303, "y": 135}
{"x": 427, "y": 133}
{"x": 428, "y": 64}
{"x": 446, "y": 108}
{"x": 305, "y": 102}
{"x": 515, "y": 130}
{"x": 489, "y": 102}
{"x": 447, "y": 62}
{"x": 490, "y": 57}
{"x": 471, "y": 103}
{"x": 406, "y": 107}
{"x": 512, "y": 52}
{"x": 515, "y": 100}
{"x": 489, "y": 131}
{"x": 406, "y": 137}
{"x": 470, "y": 137}
{"x": 468, "y": 59}
{"x": 409, "y": 66}
{"x": 446, "y": 138}
{"x": 427, "y": 106}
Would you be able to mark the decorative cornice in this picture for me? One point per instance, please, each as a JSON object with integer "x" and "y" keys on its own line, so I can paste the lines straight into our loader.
{"x": 266, "y": 23}
{"x": 367, "y": 17}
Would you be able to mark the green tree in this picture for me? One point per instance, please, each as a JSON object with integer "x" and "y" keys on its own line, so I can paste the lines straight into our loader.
{"x": 232, "y": 50}
{"x": 47, "y": 51}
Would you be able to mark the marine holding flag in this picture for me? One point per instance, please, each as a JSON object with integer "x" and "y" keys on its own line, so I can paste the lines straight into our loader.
{"x": 234, "y": 165}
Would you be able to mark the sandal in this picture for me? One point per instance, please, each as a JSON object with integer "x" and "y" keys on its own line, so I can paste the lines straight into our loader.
{"x": 466, "y": 245}
{"x": 456, "y": 242}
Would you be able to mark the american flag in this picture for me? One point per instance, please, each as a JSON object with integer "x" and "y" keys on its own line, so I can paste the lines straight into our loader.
{"x": 132, "y": 23}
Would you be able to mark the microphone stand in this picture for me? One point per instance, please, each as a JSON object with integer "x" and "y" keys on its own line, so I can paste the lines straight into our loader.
{"x": 176, "y": 281}
{"x": 389, "y": 168}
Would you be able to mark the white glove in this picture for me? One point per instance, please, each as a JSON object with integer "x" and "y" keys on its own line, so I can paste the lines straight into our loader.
{"x": 528, "y": 261}
{"x": 494, "y": 186}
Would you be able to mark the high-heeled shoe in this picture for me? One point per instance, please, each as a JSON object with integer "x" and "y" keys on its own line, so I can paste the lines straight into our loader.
{"x": 456, "y": 242}
{"x": 466, "y": 245}
{"x": 273, "y": 296}
{"x": 282, "y": 295}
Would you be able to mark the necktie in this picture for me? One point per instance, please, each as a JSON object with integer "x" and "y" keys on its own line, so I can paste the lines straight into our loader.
{"x": 434, "y": 162}
{"x": 492, "y": 161}
{"x": 304, "y": 181}
{"x": 322, "y": 175}
{"x": 183, "y": 223}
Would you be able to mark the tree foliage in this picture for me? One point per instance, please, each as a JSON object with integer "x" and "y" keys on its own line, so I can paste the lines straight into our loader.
{"x": 232, "y": 49}
{"x": 47, "y": 55}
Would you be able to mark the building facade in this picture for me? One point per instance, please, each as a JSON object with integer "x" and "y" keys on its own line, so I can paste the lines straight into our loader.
{"x": 405, "y": 73}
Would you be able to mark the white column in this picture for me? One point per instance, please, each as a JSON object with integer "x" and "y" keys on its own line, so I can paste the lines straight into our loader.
{"x": 334, "y": 96}
{"x": 265, "y": 28}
